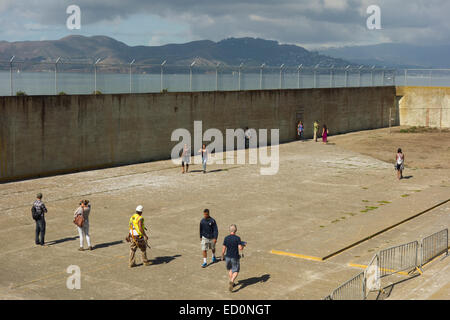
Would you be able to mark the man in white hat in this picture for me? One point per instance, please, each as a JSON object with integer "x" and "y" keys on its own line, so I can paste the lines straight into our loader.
{"x": 137, "y": 237}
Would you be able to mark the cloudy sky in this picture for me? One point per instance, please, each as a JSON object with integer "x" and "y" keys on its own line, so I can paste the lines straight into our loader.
{"x": 310, "y": 23}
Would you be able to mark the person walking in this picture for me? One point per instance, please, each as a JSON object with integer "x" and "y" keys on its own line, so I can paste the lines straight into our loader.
{"x": 316, "y": 129}
{"x": 204, "y": 152}
{"x": 208, "y": 236}
{"x": 231, "y": 246}
{"x": 185, "y": 158}
{"x": 137, "y": 237}
{"x": 399, "y": 163}
{"x": 325, "y": 134}
{"x": 38, "y": 211}
{"x": 83, "y": 231}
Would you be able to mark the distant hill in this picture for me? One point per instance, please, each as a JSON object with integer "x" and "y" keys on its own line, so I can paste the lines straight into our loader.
{"x": 233, "y": 51}
{"x": 395, "y": 55}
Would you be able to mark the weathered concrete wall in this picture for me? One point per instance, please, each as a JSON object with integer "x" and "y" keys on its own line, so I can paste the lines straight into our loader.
{"x": 45, "y": 135}
{"x": 424, "y": 106}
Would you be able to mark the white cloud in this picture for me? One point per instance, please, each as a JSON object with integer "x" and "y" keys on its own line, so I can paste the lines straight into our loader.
{"x": 306, "y": 22}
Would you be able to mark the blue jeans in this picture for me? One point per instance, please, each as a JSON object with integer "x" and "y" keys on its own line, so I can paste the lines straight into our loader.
{"x": 40, "y": 231}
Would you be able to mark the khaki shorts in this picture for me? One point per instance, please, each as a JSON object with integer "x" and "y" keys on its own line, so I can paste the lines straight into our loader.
{"x": 208, "y": 244}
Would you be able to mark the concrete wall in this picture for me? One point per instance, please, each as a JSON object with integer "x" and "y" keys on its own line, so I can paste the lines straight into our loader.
{"x": 46, "y": 135}
{"x": 424, "y": 106}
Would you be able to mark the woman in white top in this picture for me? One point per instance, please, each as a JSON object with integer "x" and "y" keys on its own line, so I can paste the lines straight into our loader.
{"x": 84, "y": 209}
{"x": 399, "y": 163}
{"x": 204, "y": 152}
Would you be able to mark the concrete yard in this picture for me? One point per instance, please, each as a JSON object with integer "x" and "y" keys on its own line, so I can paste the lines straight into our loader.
{"x": 323, "y": 199}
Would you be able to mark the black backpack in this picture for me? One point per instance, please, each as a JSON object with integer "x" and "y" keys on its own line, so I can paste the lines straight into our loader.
{"x": 34, "y": 213}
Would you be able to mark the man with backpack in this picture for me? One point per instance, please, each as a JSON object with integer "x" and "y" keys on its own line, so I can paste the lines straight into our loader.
{"x": 38, "y": 211}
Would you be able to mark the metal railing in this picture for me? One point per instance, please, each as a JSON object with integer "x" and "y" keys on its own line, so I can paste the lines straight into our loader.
{"x": 353, "y": 289}
{"x": 434, "y": 245}
{"x": 398, "y": 259}
{"x": 392, "y": 260}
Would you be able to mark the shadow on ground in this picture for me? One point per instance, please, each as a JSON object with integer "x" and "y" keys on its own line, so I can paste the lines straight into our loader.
{"x": 107, "y": 244}
{"x": 387, "y": 291}
{"x": 250, "y": 281}
{"x": 164, "y": 259}
{"x": 51, "y": 243}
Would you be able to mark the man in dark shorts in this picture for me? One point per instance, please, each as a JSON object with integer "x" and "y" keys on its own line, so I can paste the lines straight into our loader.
{"x": 231, "y": 245}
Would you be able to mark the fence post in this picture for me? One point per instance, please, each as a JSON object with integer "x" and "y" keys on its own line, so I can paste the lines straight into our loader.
{"x": 95, "y": 75}
{"x": 10, "y": 75}
{"x": 406, "y": 77}
{"x": 131, "y": 63}
{"x": 331, "y": 76}
{"x": 190, "y": 75}
{"x": 261, "y": 76}
{"x": 298, "y": 75}
{"x": 281, "y": 76}
{"x": 56, "y": 76}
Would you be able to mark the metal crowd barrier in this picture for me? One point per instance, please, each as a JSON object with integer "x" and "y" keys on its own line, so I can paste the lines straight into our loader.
{"x": 434, "y": 245}
{"x": 399, "y": 258}
{"x": 353, "y": 289}
{"x": 392, "y": 260}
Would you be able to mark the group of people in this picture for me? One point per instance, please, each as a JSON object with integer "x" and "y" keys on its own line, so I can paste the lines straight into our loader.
{"x": 301, "y": 130}
{"x": 209, "y": 233}
{"x": 186, "y": 157}
{"x": 138, "y": 238}
{"x": 232, "y": 245}
{"x": 38, "y": 211}
{"x": 185, "y": 153}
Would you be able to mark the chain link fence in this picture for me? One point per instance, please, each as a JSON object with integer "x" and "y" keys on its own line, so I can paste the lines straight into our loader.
{"x": 81, "y": 77}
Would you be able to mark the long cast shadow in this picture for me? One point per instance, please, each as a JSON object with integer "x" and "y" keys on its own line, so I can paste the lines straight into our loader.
{"x": 51, "y": 243}
{"x": 388, "y": 290}
{"x": 164, "y": 259}
{"x": 107, "y": 244}
{"x": 254, "y": 280}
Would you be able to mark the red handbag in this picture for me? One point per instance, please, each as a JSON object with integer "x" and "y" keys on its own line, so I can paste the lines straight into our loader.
{"x": 79, "y": 219}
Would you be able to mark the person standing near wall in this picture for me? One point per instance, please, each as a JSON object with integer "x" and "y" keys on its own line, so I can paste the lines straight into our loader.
{"x": 83, "y": 231}
{"x": 204, "y": 152}
{"x": 208, "y": 236}
{"x": 325, "y": 134}
{"x": 247, "y": 136}
{"x": 300, "y": 130}
{"x": 38, "y": 211}
{"x": 231, "y": 245}
{"x": 399, "y": 163}
{"x": 137, "y": 237}
{"x": 316, "y": 129}
{"x": 185, "y": 158}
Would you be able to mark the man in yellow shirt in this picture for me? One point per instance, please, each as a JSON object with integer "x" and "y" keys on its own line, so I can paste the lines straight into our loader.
{"x": 137, "y": 237}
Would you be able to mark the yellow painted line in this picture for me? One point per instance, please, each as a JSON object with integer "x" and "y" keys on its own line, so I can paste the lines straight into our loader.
{"x": 295, "y": 255}
{"x": 362, "y": 266}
